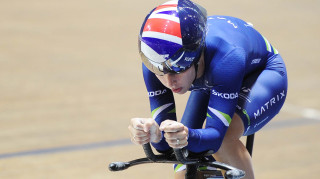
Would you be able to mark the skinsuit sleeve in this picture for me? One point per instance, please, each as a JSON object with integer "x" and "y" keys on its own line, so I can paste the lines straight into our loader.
{"x": 227, "y": 72}
{"x": 161, "y": 103}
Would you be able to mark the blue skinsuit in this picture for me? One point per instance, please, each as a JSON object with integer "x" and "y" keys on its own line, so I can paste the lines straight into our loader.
{"x": 244, "y": 74}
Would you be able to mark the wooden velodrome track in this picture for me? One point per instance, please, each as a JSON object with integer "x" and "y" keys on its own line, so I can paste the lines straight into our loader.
{"x": 70, "y": 80}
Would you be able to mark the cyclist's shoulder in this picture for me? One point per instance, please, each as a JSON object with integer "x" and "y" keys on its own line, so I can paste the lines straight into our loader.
{"x": 223, "y": 22}
{"x": 224, "y": 68}
{"x": 228, "y": 32}
{"x": 226, "y": 56}
{"x": 224, "y": 25}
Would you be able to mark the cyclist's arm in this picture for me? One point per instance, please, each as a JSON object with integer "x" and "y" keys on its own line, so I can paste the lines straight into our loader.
{"x": 228, "y": 74}
{"x": 218, "y": 121}
{"x": 161, "y": 103}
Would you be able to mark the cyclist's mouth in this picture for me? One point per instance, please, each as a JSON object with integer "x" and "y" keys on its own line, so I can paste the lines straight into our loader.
{"x": 177, "y": 90}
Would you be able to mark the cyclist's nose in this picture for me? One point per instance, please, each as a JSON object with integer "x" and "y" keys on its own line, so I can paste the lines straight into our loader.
{"x": 171, "y": 80}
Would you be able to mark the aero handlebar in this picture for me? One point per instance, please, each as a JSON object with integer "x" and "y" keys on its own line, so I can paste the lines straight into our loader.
{"x": 179, "y": 156}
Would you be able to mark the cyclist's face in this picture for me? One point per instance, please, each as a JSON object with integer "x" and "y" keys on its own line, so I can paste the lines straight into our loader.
{"x": 178, "y": 83}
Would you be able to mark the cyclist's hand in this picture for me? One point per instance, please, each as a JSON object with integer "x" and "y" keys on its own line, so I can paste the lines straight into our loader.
{"x": 144, "y": 130}
{"x": 176, "y": 133}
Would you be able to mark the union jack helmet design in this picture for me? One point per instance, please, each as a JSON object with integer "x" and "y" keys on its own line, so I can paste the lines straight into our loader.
{"x": 172, "y": 36}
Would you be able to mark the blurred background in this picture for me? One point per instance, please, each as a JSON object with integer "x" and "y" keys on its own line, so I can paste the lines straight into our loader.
{"x": 70, "y": 80}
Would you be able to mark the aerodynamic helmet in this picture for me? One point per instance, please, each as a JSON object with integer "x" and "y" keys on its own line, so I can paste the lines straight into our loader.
{"x": 172, "y": 36}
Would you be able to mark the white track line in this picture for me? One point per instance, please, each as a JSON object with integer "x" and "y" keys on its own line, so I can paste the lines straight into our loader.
{"x": 305, "y": 112}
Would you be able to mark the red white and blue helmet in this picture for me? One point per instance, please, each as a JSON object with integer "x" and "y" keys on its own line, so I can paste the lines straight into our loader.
{"x": 172, "y": 37}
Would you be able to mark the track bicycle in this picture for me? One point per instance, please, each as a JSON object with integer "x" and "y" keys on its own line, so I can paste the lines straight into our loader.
{"x": 193, "y": 161}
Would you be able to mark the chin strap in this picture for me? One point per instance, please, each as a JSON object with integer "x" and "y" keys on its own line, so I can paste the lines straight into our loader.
{"x": 196, "y": 70}
{"x": 196, "y": 67}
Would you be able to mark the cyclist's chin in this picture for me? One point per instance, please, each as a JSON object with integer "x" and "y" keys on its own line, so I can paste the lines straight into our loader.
{"x": 182, "y": 91}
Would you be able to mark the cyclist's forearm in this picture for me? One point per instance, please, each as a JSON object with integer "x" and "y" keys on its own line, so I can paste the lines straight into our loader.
{"x": 204, "y": 139}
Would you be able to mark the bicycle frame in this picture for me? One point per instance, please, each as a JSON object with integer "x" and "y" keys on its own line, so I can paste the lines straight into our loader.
{"x": 179, "y": 156}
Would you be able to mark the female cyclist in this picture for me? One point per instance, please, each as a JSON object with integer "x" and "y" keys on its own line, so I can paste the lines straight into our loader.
{"x": 237, "y": 79}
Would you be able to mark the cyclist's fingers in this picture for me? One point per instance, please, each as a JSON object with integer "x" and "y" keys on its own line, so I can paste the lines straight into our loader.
{"x": 180, "y": 145}
{"x": 138, "y": 137}
{"x": 164, "y": 124}
{"x": 176, "y": 135}
{"x": 135, "y": 132}
{"x": 177, "y": 143}
{"x": 140, "y": 140}
{"x": 141, "y": 134}
{"x": 150, "y": 124}
{"x": 171, "y": 126}
{"x": 177, "y": 139}
{"x": 137, "y": 123}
